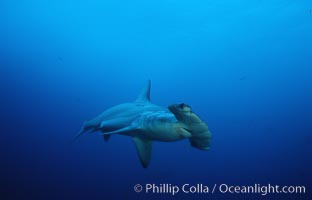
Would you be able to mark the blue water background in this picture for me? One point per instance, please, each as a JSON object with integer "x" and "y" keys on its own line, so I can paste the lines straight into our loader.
{"x": 244, "y": 66}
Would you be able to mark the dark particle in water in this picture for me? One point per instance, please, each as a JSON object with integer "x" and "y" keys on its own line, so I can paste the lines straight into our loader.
{"x": 242, "y": 78}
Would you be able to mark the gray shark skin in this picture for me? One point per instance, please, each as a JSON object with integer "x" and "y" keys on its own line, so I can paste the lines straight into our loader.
{"x": 146, "y": 122}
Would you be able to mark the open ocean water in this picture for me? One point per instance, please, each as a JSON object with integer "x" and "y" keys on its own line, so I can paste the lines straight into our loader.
{"x": 245, "y": 67}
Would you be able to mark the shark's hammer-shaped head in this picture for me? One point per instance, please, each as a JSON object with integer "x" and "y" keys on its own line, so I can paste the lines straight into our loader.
{"x": 184, "y": 113}
{"x": 201, "y": 136}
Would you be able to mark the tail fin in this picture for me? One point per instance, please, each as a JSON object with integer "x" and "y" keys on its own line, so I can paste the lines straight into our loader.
{"x": 82, "y": 130}
{"x": 85, "y": 127}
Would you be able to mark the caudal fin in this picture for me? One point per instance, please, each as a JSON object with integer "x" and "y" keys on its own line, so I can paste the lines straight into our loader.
{"x": 85, "y": 127}
{"x": 82, "y": 130}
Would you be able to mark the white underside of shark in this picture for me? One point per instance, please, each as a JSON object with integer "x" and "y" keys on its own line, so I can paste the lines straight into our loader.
{"x": 146, "y": 122}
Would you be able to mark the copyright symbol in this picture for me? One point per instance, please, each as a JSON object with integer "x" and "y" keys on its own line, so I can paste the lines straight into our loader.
{"x": 138, "y": 188}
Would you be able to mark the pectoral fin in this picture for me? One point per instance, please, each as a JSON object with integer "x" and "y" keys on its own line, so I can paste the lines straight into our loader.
{"x": 144, "y": 150}
{"x": 124, "y": 130}
{"x": 114, "y": 124}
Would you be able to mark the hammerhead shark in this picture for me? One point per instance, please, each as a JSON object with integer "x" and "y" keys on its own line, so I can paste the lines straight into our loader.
{"x": 146, "y": 122}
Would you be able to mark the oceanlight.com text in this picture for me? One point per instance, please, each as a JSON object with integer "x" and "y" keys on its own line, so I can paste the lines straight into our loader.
{"x": 172, "y": 189}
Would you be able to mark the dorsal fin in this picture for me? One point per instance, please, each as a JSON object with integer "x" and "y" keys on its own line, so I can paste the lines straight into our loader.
{"x": 145, "y": 93}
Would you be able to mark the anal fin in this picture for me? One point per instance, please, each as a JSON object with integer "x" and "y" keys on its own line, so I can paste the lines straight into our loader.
{"x": 144, "y": 150}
